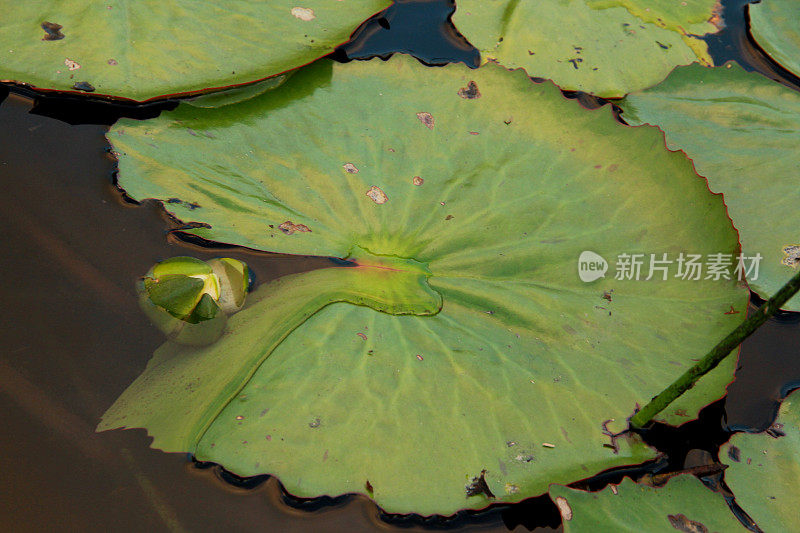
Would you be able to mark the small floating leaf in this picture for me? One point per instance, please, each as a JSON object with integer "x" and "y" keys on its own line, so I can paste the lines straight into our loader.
{"x": 604, "y": 47}
{"x": 775, "y": 25}
{"x": 741, "y": 130}
{"x": 764, "y": 470}
{"x": 683, "y": 504}
{"x": 462, "y": 324}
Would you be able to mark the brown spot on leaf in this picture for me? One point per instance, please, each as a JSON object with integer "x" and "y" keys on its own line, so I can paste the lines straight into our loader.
{"x": 112, "y": 62}
{"x": 735, "y": 454}
{"x": 303, "y": 13}
{"x": 418, "y": 181}
{"x": 71, "y": 65}
{"x": 575, "y": 62}
{"x": 192, "y": 225}
{"x": 377, "y": 195}
{"x": 564, "y": 508}
{"x": 775, "y": 431}
{"x": 289, "y": 227}
{"x": 315, "y": 423}
{"x": 449, "y": 217}
{"x": 611, "y": 435}
{"x": 681, "y": 523}
{"x": 716, "y": 16}
{"x": 419, "y": 357}
{"x": 426, "y": 118}
{"x": 369, "y": 488}
{"x": 792, "y": 253}
{"x": 350, "y": 168}
{"x": 362, "y": 336}
{"x": 470, "y": 92}
{"x": 52, "y": 31}
{"x": 84, "y": 86}
{"x": 479, "y": 486}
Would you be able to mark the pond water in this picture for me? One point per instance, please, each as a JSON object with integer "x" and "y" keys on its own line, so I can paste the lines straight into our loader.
{"x": 74, "y": 338}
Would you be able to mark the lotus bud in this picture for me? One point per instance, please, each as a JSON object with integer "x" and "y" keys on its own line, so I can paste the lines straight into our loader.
{"x": 234, "y": 280}
{"x": 189, "y": 299}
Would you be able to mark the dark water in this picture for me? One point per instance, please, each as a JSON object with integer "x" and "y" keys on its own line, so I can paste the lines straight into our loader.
{"x": 735, "y": 43}
{"x": 420, "y": 28}
{"x": 73, "y": 337}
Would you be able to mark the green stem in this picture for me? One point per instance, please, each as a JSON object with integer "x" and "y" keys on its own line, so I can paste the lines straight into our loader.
{"x": 716, "y": 355}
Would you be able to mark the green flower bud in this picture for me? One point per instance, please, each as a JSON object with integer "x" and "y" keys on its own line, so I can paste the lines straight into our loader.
{"x": 189, "y": 299}
{"x": 234, "y": 280}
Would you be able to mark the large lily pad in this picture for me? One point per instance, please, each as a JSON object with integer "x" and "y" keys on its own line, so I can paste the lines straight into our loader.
{"x": 683, "y": 504}
{"x": 604, "y": 47}
{"x": 741, "y": 130}
{"x": 149, "y": 48}
{"x": 764, "y": 469}
{"x": 775, "y": 25}
{"x": 465, "y": 198}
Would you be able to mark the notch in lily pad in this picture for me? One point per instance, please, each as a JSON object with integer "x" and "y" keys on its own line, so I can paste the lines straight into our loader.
{"x": 189, "y": 299}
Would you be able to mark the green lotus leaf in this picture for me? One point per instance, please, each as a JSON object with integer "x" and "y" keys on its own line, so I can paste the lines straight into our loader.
{"x": 683, "y": 504}
{"x": 764, "y": 469}
{"x": 696, "y": 17}
{"x": 775, "y": 25}
{"x": 741, "y": 131}
{"x": 150, "y": 48}
{"x": 604, "y": 47}
{"x": 463, "y": 200}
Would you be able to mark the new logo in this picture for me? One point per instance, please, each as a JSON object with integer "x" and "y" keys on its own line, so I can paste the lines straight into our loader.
{"x": 591, "y": 266}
